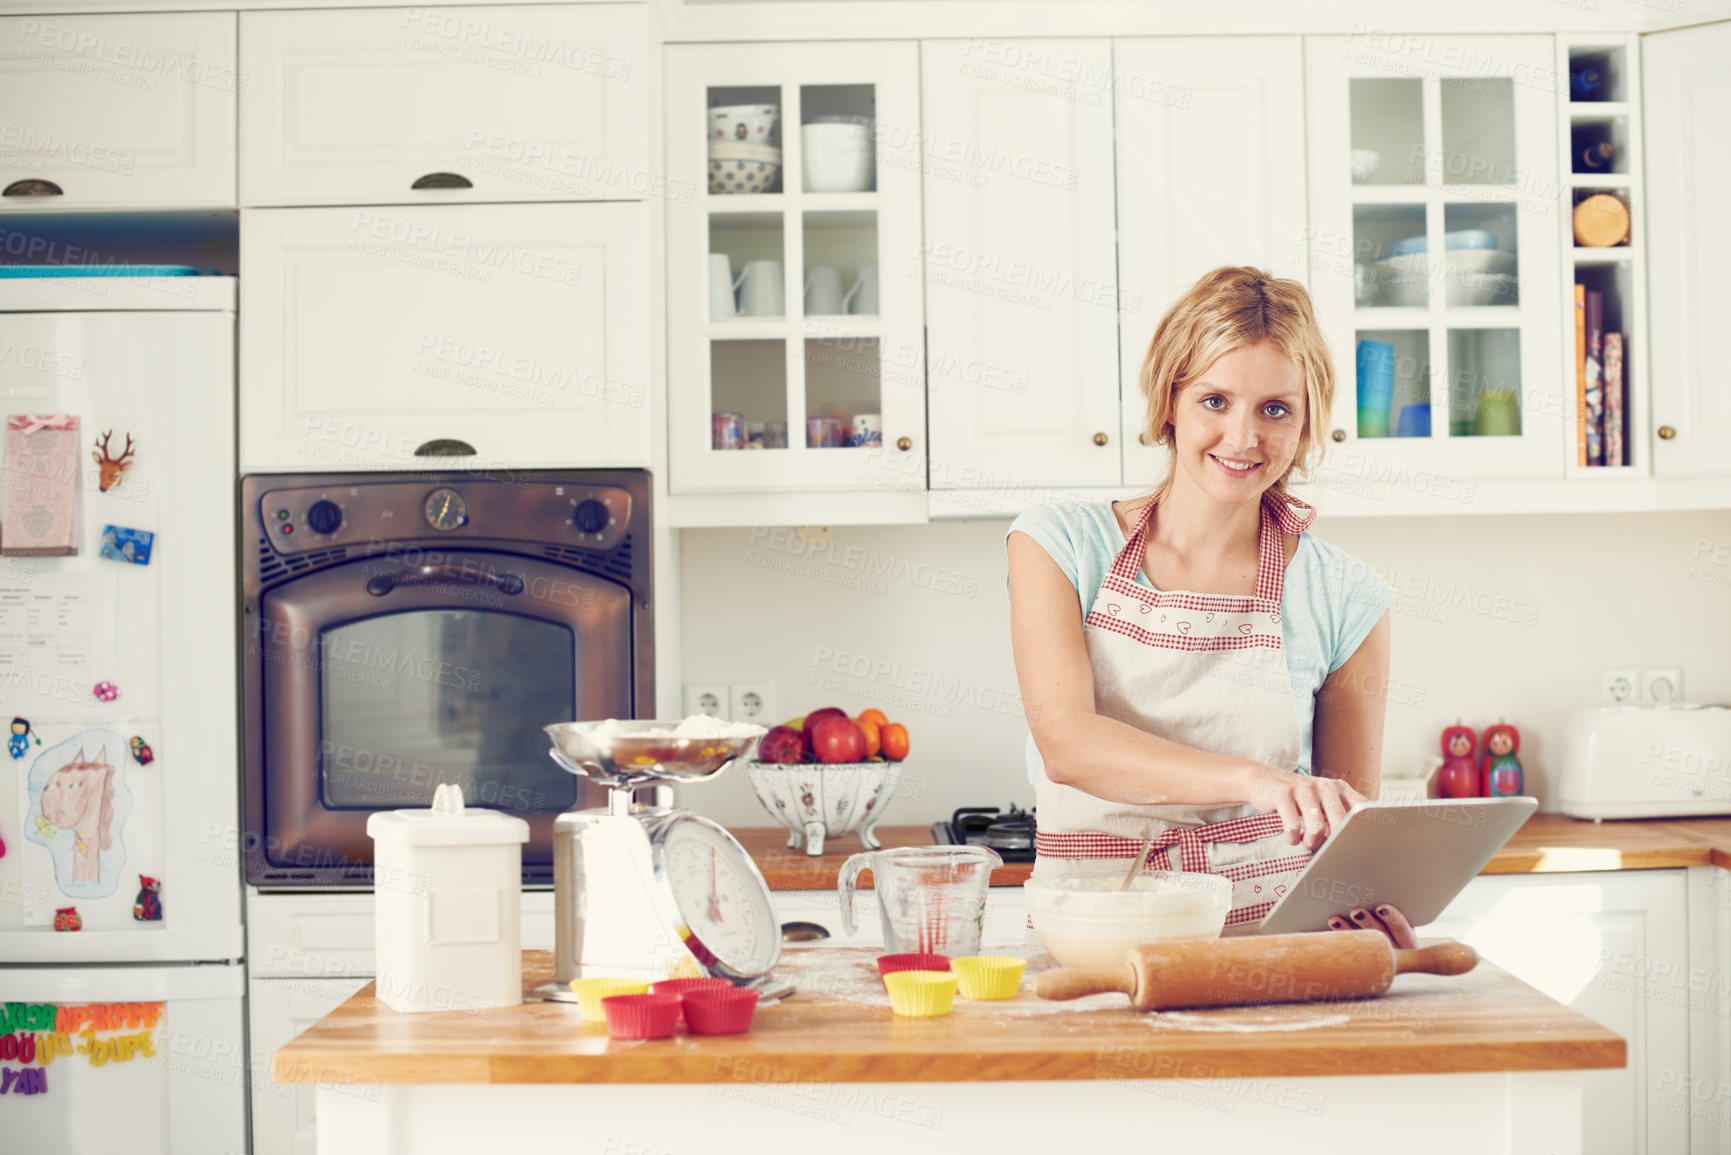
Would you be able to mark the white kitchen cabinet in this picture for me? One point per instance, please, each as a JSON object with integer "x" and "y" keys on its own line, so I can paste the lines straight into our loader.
{"x": 412, "y": 105}
{"x": 457, "y": 336}
{"x": 1453, "y": 137}
{"x": 777, "y": 359}
{"x": 1021, "y": 273}
{"x": 1706, "y": 1085}
{"x": 1210, "y": 142}
{"x": 1614, "y": 946}
{"x": 280, "y": 1009}
{"x": 1687, "y": 91}
{"x": 117, "y": 111}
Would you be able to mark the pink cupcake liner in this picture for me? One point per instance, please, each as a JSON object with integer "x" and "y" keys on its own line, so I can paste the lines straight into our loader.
{"x": 709, "y": 1011}
{"x": 645, "y": 1016}
{"x": 889, "y": 964}
{"x": 681, "y": 986}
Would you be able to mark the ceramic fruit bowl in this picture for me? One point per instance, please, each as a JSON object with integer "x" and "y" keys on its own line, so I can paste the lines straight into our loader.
{"x": 816, "y": 800}
{"x": 1084, "y": 920}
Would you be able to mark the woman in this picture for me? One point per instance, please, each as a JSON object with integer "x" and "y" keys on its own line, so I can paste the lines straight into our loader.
{"x": 1194, "y": 666}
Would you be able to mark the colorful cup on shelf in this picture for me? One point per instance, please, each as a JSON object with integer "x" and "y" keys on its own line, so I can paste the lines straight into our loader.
{"x": 868, "y": 431}
{"x": 1499, "y": 414}
{"x": 727, "y": 431}
{"x": 1414, "y": 421}
{"x": 1375, "y": 387}
{"x": 775, "y": 435}
{"x": 824, "y": 433}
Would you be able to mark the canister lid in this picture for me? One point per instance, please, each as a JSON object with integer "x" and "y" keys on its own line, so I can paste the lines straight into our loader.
{"x": 447, "y": 822}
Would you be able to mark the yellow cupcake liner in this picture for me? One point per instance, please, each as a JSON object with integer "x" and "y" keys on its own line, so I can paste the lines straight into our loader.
{"x": 921, "y": 994}
{"x": 591, "y": 991}
{"x": 989, "y": 976}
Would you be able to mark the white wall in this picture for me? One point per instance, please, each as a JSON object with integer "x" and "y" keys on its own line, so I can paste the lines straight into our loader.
{"x": 1499, "y": 618}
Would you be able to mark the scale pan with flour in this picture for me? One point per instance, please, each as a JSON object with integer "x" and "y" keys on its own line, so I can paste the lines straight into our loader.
{"x": 640, "y": 889}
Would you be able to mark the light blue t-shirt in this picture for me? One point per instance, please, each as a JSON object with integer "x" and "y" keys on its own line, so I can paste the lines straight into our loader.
{"x": 1329, "y": 600}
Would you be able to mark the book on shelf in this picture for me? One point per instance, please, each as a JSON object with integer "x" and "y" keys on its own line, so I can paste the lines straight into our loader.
{"x": 1580, "y": 374}
{"x": 1613, "y": 373}
{"x": 1595, "y": 408}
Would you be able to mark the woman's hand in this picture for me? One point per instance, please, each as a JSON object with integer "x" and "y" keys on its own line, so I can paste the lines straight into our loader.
{"x": 1385, "y": 917}
{"x": 1309, "y": 807}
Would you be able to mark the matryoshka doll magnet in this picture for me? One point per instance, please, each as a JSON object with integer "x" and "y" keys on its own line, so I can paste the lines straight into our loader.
{"x": 1502, "y": 771}
{"x": 1460, "y": 773}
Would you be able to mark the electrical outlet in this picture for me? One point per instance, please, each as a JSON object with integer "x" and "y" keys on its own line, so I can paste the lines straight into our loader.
{"x": 1662, "y": 684}
{"x": 752, "y": 702}
{"x": 1618, "y": 687}
{"x": 706, "y": 699}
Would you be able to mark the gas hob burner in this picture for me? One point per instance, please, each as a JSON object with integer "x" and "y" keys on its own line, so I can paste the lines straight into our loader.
{"x": 1010, "y": 833}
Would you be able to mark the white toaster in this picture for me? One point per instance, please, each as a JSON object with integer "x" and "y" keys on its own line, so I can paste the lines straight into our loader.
{"x": 1670, "y": 761}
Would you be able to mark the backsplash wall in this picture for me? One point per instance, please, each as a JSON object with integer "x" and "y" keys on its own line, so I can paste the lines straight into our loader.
{"x": 1498, "y": 618}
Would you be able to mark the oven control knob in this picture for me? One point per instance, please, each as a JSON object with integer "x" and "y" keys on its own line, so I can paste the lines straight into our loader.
{"x": 590, "y": 516}
{"x": 324, "y": 517}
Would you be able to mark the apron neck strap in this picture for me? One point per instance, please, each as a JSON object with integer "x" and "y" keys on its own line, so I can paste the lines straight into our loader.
{"x": 1282, "y": 515}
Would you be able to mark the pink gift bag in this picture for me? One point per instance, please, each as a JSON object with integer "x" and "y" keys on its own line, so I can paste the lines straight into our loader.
{"x": 38, "y": 517}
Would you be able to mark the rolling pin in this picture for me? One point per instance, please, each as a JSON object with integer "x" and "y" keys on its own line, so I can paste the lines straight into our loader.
{"x": 1277, "y": 968}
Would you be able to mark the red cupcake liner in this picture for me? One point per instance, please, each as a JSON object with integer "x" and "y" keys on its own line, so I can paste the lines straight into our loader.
{"x": 891, "y": 963}
{"x": 709, "y": 1011}
{"x": 645, "y": 1016}
{"x": 681, "y": 986}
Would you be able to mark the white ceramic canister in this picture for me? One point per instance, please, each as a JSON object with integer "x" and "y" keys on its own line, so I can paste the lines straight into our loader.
{"x": 447, "y": 905}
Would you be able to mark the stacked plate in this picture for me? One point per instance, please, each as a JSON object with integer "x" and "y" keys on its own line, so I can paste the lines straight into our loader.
{"x": 1473, "y": 269}
{"x": 741, "y": 159}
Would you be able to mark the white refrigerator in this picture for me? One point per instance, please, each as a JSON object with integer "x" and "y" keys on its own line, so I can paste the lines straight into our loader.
{"x": 121, "y": 981}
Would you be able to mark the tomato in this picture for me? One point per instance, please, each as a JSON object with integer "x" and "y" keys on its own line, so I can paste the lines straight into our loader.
{"x": 894, "y": 740}
{"x": 872, "y": 738}
{"x": 838, "y": 740}
{"x": 874, "y": 715}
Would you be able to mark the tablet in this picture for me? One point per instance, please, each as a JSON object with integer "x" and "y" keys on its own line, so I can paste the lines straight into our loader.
{"x": 1417, "y": 855}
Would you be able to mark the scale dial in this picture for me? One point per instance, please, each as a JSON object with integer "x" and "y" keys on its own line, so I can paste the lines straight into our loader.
{"x": 446, "y": 509}
{"x": 721, "y": 898}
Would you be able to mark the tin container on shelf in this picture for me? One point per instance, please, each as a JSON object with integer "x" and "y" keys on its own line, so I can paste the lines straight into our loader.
{"x": 727, "y": 431}
{"x": 447, "y": 905}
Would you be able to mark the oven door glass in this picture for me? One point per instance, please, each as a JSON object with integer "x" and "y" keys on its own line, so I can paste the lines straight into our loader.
{"x": 413, "y": 700}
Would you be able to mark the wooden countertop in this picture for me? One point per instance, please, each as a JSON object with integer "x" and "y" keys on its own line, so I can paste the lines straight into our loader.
{"x": 1547, "y": 844}
{"x": 839, "y": 1029}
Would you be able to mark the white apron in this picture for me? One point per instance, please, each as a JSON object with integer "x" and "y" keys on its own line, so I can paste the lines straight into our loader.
{"x": 1207, "y": 671}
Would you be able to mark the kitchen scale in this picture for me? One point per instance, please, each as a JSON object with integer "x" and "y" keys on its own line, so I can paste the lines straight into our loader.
{"x": 639, "y": 890}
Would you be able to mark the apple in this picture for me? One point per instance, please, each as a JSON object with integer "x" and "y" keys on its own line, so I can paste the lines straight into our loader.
{"x": 838, "y": 740}
{"x": 784, "y": 744}
{"x": 816, "y": 717}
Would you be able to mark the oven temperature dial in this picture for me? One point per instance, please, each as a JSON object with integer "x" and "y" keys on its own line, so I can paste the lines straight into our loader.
{"x": 590, "y": 516}
{"x": 324, "y": 516}
{"x": 446, "y": 509}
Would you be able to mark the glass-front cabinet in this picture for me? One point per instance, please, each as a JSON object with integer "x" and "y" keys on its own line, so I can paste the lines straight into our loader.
{"x": 796, "y": 358}
{"x": 1434, "y": 251}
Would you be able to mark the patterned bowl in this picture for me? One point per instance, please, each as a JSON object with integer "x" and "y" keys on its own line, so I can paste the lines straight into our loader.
{"x": 817, "y": 801}
{"x": 742, "y": 168}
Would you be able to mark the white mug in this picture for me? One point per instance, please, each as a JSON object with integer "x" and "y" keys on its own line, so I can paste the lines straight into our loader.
{"x": 868, "y": 430}
{"x": 763, "y": 295}
{"x": 823, "y": 291}
{"x": 721, "y": 303}
{"x": 864, "y": 293}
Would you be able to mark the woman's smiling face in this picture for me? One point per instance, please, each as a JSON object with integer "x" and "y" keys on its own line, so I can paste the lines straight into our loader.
{"x": 1236, "y": 429}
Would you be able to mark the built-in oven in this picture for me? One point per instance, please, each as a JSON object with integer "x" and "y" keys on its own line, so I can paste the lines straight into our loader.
{"x": 401, "y": 633}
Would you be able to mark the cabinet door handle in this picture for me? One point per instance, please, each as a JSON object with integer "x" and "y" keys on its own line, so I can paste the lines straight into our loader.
{"x": 1666, "y": 432}
{"x": 1101, "y": 439}
{"x": 904, "y": 443}
{"x": 444, "y": 180}
{"x": 445, "y": 447}
{"x": 1338, "y": 435}
{"x": 32, "y": 187}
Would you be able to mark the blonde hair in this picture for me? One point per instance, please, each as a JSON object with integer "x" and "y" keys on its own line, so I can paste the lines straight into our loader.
{"x": 1227, "y": 309}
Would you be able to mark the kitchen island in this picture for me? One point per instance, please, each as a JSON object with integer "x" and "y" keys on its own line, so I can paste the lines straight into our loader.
{"x": 1473, "y": 1062}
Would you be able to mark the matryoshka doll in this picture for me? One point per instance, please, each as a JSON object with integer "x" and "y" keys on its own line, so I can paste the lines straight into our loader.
{"x": 66, "y": 918}
{"x": 1502, "y": 772}
{"x": 1460, "y": 774}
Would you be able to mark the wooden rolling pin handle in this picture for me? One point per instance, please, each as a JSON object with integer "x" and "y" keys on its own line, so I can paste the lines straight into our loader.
{"x": 1445, "y": 958}
{"x": 1073, "y": 984}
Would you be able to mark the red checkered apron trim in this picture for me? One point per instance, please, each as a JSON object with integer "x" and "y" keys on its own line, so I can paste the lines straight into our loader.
{"x": 1192, "y": 843}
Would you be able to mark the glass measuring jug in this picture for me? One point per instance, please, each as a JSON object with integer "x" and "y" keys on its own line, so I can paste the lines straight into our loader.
{"x": 932, "y": 899}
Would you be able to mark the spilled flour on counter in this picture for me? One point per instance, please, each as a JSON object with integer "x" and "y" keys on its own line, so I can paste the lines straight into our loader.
{"x": 1191, "y": 1021}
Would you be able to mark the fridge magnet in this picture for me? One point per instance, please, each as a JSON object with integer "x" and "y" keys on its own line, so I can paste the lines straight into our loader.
{"x": 79, "y": 803}
{"x": 105, "y": 691}
{"x": 1502, "y": 772}
{"x": 122, "y": 544}
{"x": 41, "y": 486}
{"x": 147, "y": 907}
{"x": 18, "y": 743}
{"x": 140, "y": 749}
{"x": 111, "y": 467}
{"x": 66, "y": 918}
{"x": 1460, "y": 776}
